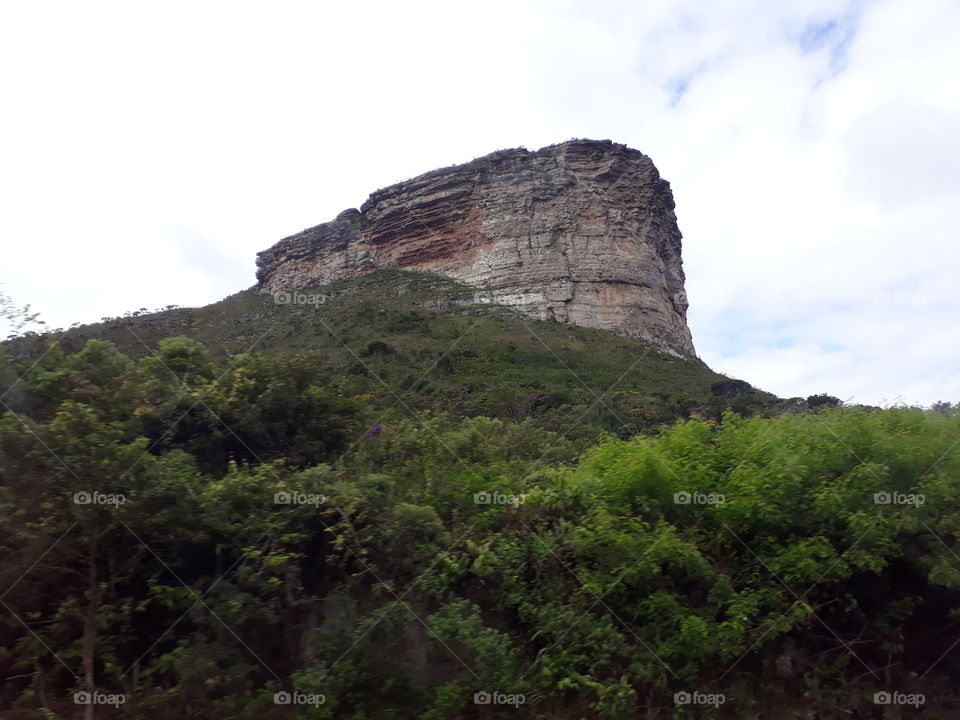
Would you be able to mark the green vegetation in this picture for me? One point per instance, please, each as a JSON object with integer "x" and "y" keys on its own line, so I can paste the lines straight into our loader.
{"x": 415, "y": 341}
{"x": 16, "y": 319}
{"x": 198, "y": 530}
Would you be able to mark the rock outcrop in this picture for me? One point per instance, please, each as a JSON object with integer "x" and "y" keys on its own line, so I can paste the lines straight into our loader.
{"x": 581, "y": 232}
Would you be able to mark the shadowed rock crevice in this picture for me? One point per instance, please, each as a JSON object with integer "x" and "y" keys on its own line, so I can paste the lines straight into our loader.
{"x": 581, "y": 232}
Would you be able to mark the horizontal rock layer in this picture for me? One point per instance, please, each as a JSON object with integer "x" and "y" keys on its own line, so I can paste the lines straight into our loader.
{"x": 581, "y": 232}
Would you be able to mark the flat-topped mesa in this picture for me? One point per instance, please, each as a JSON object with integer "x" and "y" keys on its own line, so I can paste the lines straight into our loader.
{"x": 581, "y": 232}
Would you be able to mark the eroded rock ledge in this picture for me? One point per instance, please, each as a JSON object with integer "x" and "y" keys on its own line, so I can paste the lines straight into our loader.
{"x": 581, "y": 232}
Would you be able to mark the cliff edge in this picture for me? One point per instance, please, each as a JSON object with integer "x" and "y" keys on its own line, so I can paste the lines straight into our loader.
{"x": 581, "y": 232}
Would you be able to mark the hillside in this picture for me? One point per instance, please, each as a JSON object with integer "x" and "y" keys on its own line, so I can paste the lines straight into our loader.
{"x": 426, "y": 339}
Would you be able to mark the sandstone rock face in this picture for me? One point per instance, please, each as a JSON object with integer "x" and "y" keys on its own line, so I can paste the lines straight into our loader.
{"x": 581, "y": 232}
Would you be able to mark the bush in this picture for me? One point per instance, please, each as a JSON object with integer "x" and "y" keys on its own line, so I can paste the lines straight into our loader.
{"x": 816, "y": 401}
{"x": 378, "y": 348}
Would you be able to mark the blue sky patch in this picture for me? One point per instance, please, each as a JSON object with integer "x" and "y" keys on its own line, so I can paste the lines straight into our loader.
{"x": 832, "y": 36}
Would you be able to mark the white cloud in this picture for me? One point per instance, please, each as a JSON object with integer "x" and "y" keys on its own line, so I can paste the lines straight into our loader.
{"x": 147, "y": 154}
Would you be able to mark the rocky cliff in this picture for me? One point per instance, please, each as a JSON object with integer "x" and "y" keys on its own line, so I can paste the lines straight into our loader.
{"x": 581, "y": 232}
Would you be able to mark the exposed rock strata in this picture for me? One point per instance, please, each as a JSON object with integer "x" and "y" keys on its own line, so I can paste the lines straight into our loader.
{"x": 581, "y": 232}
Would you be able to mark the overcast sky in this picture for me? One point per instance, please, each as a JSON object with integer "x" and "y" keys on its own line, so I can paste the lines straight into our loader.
{"x": 148, "y": 151}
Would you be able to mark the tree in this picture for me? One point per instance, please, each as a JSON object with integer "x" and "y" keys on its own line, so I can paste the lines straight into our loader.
{"x": 80, "y": 497}
{"x": 944, "y": 407}
{"x": 17, "y": 318}
{"x": 815, "y": 401}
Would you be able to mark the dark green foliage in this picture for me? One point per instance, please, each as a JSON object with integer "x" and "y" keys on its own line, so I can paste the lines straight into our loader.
{"x": 816, "y": 401}
{"x": 377, "y": 348}
{"x": 730, "y": 388}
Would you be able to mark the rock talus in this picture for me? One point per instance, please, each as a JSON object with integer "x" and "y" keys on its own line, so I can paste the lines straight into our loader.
{"x": 581, "y": 232}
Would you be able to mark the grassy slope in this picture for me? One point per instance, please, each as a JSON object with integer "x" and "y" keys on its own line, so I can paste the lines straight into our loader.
{"x": 443, "y": 351}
